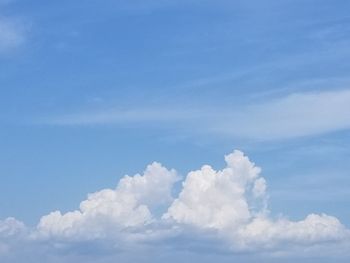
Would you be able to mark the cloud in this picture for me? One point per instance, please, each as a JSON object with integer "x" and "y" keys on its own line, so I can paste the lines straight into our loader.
{"x": 11, "y": 230}
{"x": 299, "y": 114}
{"x": 211, "y": 199}
{"x": 12, "y": 30}
{"x": 5, "y": 2}
{"x": 110, "y": 211}
{"x": 223, "y": 211}
{"x": 294, "y": 115}
{"x": 233, "y": 202}
{"x": 312, "y": 230}
{"x": 10, "y": 227}
{"x": 123, "y": 116}
{"x": 11, "y": 34}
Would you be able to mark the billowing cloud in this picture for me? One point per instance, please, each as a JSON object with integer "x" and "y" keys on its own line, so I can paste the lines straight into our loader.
{"x": 109, "y": 211}
{"x": 211, "y": 199}
{"x": 10, "y": 227}
{"x": 226, "y": 209}
{"x": 233, "y": 201}
{"x": 10, "y": 231}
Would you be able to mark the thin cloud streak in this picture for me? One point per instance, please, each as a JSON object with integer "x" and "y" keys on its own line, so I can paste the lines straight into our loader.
{"x": 10, "y": 35}
{"x": 295, "y": 115}
{"x": 104, "y": 117}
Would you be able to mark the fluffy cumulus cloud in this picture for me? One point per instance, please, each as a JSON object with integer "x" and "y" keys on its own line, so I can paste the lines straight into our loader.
{"x": 12, "y": 30}
{"x": 233, "y": 201}
{"x": 11, "y": 230}
{"x": 227, "y": 207}
{"x": 219, "y": 199}
{"x": 110, "y": 211}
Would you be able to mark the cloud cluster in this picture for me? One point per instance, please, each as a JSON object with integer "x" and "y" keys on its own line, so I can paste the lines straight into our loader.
{"x": 227, "y": 206}
{"x": 110, "y": 211}
{"x": 233, "y": 201}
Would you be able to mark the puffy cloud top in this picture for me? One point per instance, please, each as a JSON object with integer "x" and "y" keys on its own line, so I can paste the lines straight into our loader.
{"x": 228, "y": 206}
{"x": 109, "y": 211}
{"x": 10, "y": 227}
{"x": 218, "y": 199}
{"x": 11, "y": 230}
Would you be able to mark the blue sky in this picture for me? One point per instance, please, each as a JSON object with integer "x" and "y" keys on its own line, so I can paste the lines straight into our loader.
{"x": 92, "y": 91}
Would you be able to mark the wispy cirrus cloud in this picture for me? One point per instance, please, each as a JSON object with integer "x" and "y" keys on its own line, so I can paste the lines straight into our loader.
{"x": 290, "y": 116}
{"x": 11, "y": 34}
{"x": 12, "y": 30}
{"x": 295, "y": 115}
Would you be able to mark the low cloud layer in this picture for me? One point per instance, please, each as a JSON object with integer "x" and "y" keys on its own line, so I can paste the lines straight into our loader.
{"x": 226, "y": 210}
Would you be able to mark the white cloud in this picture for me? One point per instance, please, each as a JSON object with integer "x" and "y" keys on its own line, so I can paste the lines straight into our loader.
{"x": 211, "y": 199}
{"x": 109, "y": 211}
{"x": 224, "y": 210}
{"x": 10, "y": 227}
{"x": 10, "y": 231}
{"x": 233, "y": 202}
{"x": 268, "y": 233}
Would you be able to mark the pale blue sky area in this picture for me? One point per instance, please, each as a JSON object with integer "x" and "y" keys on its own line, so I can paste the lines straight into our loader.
{"x": 93, "y": 90}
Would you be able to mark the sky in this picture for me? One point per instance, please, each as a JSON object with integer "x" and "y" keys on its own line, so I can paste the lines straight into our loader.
{"x": 185, "y": 130}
